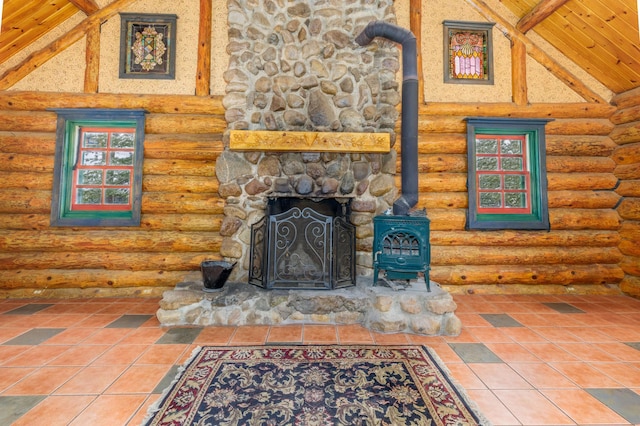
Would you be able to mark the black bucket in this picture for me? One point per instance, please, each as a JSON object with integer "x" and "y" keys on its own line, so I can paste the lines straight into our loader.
{"x": 215, "y": 273}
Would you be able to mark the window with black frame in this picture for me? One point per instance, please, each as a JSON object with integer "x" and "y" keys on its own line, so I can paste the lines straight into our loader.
{"x": 507, "y": 180}
{"x": 98, "y": 168}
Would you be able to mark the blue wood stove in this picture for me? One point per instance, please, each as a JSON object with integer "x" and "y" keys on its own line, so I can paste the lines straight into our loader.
{"x": 401, "y": 248}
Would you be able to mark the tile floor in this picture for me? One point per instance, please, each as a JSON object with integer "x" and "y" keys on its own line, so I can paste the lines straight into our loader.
{"x": 525, "y": 360}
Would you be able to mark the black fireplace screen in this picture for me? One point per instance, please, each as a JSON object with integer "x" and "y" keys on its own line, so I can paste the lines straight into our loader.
{"x": 305, "y": 244}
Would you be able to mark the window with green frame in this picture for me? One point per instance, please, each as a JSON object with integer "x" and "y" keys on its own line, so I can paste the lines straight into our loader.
{"x": 507, "y": 180}
{"x": 98, "y": 167}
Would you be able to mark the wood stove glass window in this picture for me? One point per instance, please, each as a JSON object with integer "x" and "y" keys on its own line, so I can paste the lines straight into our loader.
{"x": 507, "y": 174}
{"x": 98, "y": 168}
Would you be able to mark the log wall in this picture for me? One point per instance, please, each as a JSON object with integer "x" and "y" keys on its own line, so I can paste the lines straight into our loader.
{"x": 593, "y": 199}
{"x": 181, "y": 209}
{"x": 627, "y": 158}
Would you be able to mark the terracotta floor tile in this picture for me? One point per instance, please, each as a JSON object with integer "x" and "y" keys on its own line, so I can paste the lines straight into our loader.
{"x": 472, "y": 320}
{"x": 139, "y": 379}
{"x": 541, "y": 376}
{"x": 549, "y": 352}
{"x": 445, "y": 353}
{"x": 42, "y": 381}
{"x": 141, "y": 414}
{"x": 492, "y": 408}
{"x": 107, "y": 336}
{"x": 65, "y": 320}
{"x": 121, "y": 354}
{"x": 92, "y": 380}
{"x": 354, "y": 334}
{"x": 464, "y": 337}
{"x": 11, "y": 376}
{"x": 582, "y": 407}
{"x": 36, "y": 356}
{"x": 319, "y": 334}
{"x": 523, "y": 335}
{"x": 499, "y": 376}
{"x": 557, "y": 334}
{"x": 587, "y": 352}
{"x": 530, "y": 407}
{"x": 7, "y": 353}
{"x": 622, "y": 334}
{"x": 533, "y": 320}
{"x": 588, "y": 334}
{"x": 285, "y": 334}
{"x": 141, "y": 336}
{"x": 109, "y": 410}
{"x": 215, "y": 336}
{"x": 512, "y": 352}
{"x": 417, "y": 339}
{"x": 79, "y": 355}
{"x": 621, "y": 372}
{"x": 388, "y": 339}
{"x": 490, "y": 334}
{"x": 250, "y": 335}
{"x": 55, "y": 410}
{"x": 619, "y": 350}
{"x": 71, "y": 336}
{"x": 584, "y": 375}
{"x": 465, "y": 376}
{"x": 162, "y": 354}
{"x": 8, "y": 333}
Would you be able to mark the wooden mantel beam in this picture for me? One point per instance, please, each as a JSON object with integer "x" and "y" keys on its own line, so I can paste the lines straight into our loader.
{"x": 538, "y": 14}
{"x": 89, "y": 7}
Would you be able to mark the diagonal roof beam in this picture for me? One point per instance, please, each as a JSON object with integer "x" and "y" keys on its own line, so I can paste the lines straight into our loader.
{"x": 539, "y": 13}
{"x": 89, "y": 7}
{"x": 36, "y": 59}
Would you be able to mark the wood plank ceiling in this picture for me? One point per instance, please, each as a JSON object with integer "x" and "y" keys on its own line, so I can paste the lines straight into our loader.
{"x": 601, "y": 36}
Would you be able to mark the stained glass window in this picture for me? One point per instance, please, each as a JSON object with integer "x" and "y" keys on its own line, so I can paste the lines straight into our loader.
{"x": 468, "y": 52}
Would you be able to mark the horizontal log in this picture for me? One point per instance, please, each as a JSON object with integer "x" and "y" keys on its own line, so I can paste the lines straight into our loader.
{"x": 626, "y": 133}
{"x": 180, "y": 167}
{"x": 627, "y": 171}
{"x": 583, "y": 199}
{"x": 440, "y": 163}
{"x": 631, "y": 265}
{"x": 26, "y": 163}
{"x": 581, "y": 181}
{"x": 447, "y": 219}
{"x": 629, "y": 188}
{"x": 527, "y": 274}
{"x": 579, "y": 126}
{"x": 181, "y": 222}
{"x": 513, "y": 238}
{"x": 442, "y": 143}
{"x": 113, "y": 240}
{"x": 626, "y": 115}
{"x": 194, "y": 184}
{"x": 185, "y": 123}
{"x": 441, "y": 124}
{"x": 26, "y": 180}
{"x": 509, "y": 255}
{"x": 179, "y": 202}
{"x": 565, "y": 164}
{"x": 19, "y": 200}
{"x": 25, "y": 221}
{"x": 580, "y": 145}
{"x": 182, "y": 147}
{"x": 105, "y": 260}
{"x": 627, "y": 154}
{"x": 508, "y": 109}
{"x": 627, "y": 99}
{"x": 88, "y": 278}
{"x": 629, "y": 208}
{"x": 631, "y": 285}
{"x": 28, "y": 121}
{"x": 561, "y": 219}
{"x": 443, "y": 200}
{"x": 440, "y": 182}
{"x": 28, "y": 143}
{"x": 180, "y": 104}
{"x": 630, "y": 227}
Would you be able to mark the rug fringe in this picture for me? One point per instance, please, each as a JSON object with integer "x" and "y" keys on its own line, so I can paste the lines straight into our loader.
{"x": 461, "y": 390}
{"x": 155, "y": 407}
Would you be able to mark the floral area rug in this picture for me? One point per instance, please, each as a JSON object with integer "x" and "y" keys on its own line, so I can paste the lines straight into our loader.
{"x": 351, "y": 385}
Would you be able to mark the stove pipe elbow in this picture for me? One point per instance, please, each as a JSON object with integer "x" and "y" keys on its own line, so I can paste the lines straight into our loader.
{"x": 409, "y": 127}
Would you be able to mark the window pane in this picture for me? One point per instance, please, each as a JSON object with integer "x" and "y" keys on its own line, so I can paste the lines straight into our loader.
{"x": 90, "y": 177}
{"x": 118, "y": 177}
{"x": 487, "y": 163}
{"x": 515, "y": 200}
{"x": 121, "y": 158}
{"x": 486, "y": 146}
{"x": 116, "y": 196}
{"x": 515, "y": 182}
{"x": 94, "y": 158}
{"x": 489, "y": 181}
{"x": 122, "y": 140}
{"x": 510, "y": 146}
{"x": 88, "y": 196}
{"x": 95, "y": 140}
{"x": 512, "y": 163}
{"x": 490, "y": 200}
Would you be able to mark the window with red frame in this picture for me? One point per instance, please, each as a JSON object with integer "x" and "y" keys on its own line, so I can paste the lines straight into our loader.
{"x": 503, "y": 180}
{"x": 103, "y": 174}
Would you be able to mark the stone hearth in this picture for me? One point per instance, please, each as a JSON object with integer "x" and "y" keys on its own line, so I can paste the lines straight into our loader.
{"x": 381, "y": 309}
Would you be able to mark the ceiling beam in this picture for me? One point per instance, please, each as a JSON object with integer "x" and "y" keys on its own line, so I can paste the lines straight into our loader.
{"x": 87, "y": 6}
{"x": 539, "y": 13}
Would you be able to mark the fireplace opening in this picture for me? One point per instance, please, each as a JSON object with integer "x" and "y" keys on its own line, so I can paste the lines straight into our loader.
{"x": 303, "y": 243}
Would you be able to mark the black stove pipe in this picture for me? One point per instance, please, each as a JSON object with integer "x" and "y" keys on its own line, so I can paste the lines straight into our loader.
{"x": 409, "y": 129}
